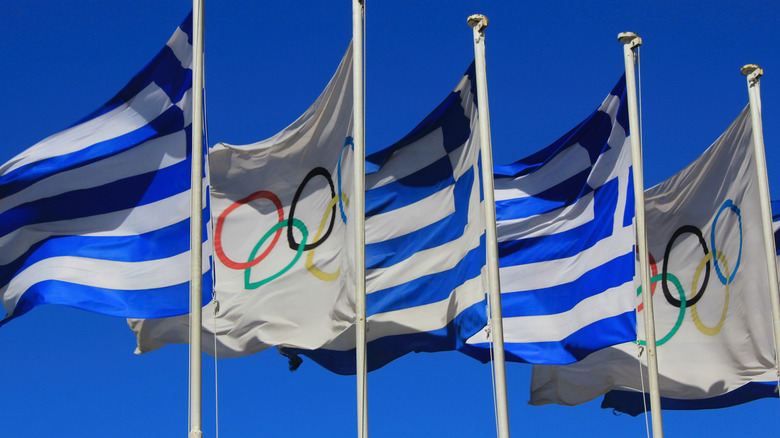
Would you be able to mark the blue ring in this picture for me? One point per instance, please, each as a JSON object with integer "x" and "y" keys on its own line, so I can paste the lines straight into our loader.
{"x": 347, "y": 142}
{"x": 728, "y": 204}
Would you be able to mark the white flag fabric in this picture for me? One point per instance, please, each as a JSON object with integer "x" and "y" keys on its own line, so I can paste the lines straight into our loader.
{"x": 279, "y": 208}
{"x": 566, "y": 244}
{"x": 97, "y": 216}
{"x": 710, "y": 297}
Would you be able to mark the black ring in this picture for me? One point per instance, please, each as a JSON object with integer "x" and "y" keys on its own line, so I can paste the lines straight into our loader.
{"x": 290, "y": 238}
{"x": 694, "y": 299}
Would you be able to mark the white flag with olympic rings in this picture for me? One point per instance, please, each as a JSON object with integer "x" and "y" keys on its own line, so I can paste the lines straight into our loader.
{"x": 279, "y": 209}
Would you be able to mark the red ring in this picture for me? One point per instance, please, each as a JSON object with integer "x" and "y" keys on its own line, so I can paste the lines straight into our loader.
{"x": 264, "y": 194}
{"x": 653, "y": 273}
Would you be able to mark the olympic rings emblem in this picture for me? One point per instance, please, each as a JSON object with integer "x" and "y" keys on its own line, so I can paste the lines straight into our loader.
{"x": 288, "y": 224}
{"x": 714, "y": 256}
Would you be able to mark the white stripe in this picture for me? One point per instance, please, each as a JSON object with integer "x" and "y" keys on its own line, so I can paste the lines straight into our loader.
{"x": 534, "y": 276}
{"x": 411, "y": 217}
{"x": 551, "y": 328}
{"x": 610, "y": 106}
{"x": 409, "y": 160}
{"x": 570, "y": 162}
{"x": 556, "y": 221}
{"x": 181, "y": 47}
{"x": 129, "y": 222}
{"x": 148, "y": 156}
{"x": 128, "y": 117}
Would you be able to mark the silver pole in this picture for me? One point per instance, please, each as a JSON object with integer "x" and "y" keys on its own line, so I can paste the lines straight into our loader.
{"x": 359, "y": 137}
{"x": 753, "y": 74}
{"x": 630, "y": 41}
{"x": 478, "y": 23}
{"x": 196, "y": 232}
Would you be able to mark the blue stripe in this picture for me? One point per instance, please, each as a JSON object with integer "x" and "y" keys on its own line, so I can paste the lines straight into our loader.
{"x": 154, "y": 245}
{"x": 430, "y": 288}
{"x": 566, "y": 243}
{"x": 410, "y": 189}
{"x": 383, "y": 350}
{"x": 628, "y": 211}
{"x": 560, "y": 298}
{"x": 146, "y": 303}
{"x": 164, "y": 70}
{"x": 117, "y": 196}
{"x": 559, "y": 196}
{"x": 169, "y": 122}
{"x": 630, "y": 402}
{"x": 573, "y": 348}
{"x": 396, "y": 250}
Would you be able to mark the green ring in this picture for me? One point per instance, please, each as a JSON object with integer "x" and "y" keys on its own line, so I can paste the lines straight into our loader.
{"x": 297, "y": 224}
{"x": 681, "y": 315}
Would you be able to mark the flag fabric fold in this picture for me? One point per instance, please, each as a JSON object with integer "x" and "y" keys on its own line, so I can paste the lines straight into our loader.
{"x": 280, "y": 208}
{"x": 425, "y": 241}
{"x": 97, "y": 216}
{"x": 566, "y": 244}
{"x": 710, "y": 295}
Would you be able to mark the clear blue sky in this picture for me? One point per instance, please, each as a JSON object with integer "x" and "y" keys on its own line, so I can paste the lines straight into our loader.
{"x": 71, "y": 373}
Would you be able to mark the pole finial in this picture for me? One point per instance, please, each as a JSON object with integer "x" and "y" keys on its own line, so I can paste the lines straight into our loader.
{"x": 630, "y": 38}
{"x": 749, "y": 69}
{"x": 477, "y": 21}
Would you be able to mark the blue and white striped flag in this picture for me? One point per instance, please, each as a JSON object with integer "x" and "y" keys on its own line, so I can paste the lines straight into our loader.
{"x": 97, "y": 216}
{"x": 425, "y": 241}
{"x": 566, "y": 244}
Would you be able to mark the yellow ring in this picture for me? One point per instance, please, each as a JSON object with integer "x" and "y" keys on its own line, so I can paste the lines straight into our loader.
{"x": 710, "y": 331}
{"x": 317, "y": 272}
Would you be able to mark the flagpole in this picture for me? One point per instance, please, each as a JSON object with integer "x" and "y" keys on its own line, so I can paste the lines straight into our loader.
{"x": 359, "y": 138}
{"x": 753, "y": 74}
{"x": 631, "y": 41}
{"x": 478, "y": 23}
{"x": 196, "y": 232}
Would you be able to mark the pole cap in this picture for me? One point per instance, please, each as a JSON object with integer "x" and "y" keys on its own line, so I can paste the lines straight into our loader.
{"x": 477, "y": 20}
{"x": 747, "y": 69}
{"x": 629, "y": 38}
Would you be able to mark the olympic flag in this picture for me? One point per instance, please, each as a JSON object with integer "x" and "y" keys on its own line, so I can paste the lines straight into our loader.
{"x": 566, "y": 244}
{"x": 709, "y": 286}
{"x": 280, "y": 205}
{"x": 97, "y": 216}
{"x": 425, "y": 241}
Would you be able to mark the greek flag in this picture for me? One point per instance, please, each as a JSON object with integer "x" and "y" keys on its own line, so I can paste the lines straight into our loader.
{"x": 97, "y": 216}
{"x": 425, "y": 242}
{"x": 566, "y": 244}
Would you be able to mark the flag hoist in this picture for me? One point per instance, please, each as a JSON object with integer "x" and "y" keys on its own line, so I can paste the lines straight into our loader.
{"x": 753, "y": 74}
{"x": 630, "y": 42}
{"x": 478, "y": 23}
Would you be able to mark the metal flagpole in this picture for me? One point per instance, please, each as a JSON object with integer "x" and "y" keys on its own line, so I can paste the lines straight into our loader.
{"x": 478, "y": 23}
{"x": 196, "y": 232}
{"x": 359, "y": 137}
{"x": 753, "y": 74}
{"x": 631, "y": 41}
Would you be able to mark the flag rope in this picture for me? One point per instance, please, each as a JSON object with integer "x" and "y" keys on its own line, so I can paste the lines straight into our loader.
{"x": 639, "y": 99}
{"x": 213, "y": 279}
{"x": 492, "y": 366}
